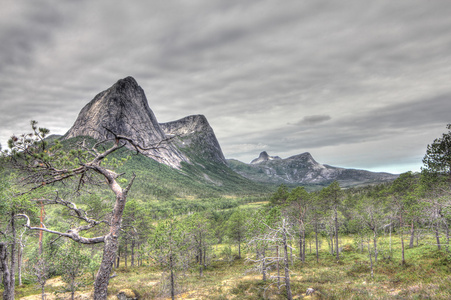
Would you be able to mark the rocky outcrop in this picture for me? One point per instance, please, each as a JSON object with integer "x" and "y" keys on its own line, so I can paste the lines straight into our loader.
{"x": 123, "y": 109}
{"x": 303, "y": 169}
{"x": 195, "y": 135}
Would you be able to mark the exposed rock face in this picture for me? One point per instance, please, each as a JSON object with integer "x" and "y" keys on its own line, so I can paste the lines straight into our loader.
{"x": 194, "y": 134}
{"x": 263, "y": 157}
{"x": 303, "y": 169}
{"x": 123, "y": 109}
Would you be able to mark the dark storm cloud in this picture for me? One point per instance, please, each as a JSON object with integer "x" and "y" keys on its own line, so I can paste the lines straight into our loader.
{"x": 359, "y": 72}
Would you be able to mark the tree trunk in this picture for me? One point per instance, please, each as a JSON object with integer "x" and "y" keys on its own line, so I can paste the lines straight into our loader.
{"x": 19, "y": 262}
{"x": 412, "y": 235}
{"x": 125, "y": 254}
{"x": 303, "y": 246}
{"x": 300, "y": 246}
{"x": 336, "y": 233}
{"x": 375, "y": 244}
{"x": 331, "y": 244}
{"x": 447, "y": 236}
{"x": 8, "y": 292}
{"x": 42, "y": 291}
{"x": 111, "y": 242}
{"x": 316, "y": 240}
{"x": 287, "y": 269}
{"x": 132, "y": 259}
{"x": 8, "y": 271}
{"x": 278, "y": 267}
{"x": 13, "y": 254}
{"x": 239, "y": 248}
{"x": 103, "y": 275}
{"x": 437, "y": 236}
{"x": 201, "y": 269}
{"x": 118, "y": 258}
{"x": 263, "y": 264}
{"x": 172, "y": 277}
{"x": 390, "y": 242}
{"x": 371, "y": 260}
{"x": 403, "y": 261}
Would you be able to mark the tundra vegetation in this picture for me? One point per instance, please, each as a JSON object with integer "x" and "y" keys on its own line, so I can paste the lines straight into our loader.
{"x": 75, "y": 221}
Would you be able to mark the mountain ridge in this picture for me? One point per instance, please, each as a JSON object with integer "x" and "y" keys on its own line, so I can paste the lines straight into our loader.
{"x": 187, "y": 145}
{"x": 190, "y": 143}
{"x": 304, "y": 169}
{"x": 195, "y": 130}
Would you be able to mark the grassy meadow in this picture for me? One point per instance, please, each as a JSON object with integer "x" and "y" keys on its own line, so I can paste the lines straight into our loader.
{"x": 426, "y": 275}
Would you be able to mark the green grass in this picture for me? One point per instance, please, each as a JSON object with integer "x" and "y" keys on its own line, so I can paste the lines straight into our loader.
{"x": 426, "y": 275}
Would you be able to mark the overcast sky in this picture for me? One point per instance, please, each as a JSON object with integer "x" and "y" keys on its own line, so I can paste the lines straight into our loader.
{"x": 358, "y": 84}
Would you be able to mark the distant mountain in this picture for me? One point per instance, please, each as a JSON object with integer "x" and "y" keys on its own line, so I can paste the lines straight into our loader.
{"x": 264, "y": 157}
{"x": 303, "y": 169}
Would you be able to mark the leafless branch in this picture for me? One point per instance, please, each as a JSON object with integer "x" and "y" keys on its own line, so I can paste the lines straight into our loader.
{"x": 71, "y": 233}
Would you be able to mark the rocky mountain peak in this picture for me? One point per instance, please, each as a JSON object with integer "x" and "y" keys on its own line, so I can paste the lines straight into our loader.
{"x": 123, "y": 109}
{"x": 194, "y": 132}
{"x": 306, "y": 156}
{"x": 303, "y": 169}
{"x": 263, "y": 157}
{"x": 186, "y": 125}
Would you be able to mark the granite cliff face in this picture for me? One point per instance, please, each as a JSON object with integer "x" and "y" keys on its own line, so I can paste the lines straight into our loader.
{"x": 194, "y": 133}
{"x": 303, "y": 169}
{"x": 123, "y": 109}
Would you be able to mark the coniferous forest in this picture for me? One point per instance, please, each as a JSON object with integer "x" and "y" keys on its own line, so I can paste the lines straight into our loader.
{"x": 86, "y": 219}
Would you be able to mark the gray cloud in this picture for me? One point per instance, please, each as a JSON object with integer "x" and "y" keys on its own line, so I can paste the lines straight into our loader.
{"x": 312, "y": 120}
{"x": 378, "y": 70}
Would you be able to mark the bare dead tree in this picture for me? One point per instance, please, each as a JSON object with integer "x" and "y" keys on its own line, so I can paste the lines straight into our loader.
{"x": 278, "y": 236}
{"x": 42, "y": 166}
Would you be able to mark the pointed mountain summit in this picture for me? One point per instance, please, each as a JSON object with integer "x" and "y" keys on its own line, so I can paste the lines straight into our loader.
{"x": 195, "y": 133}
{"x": 123, "y": 109}
{"x": 263, "y": 157}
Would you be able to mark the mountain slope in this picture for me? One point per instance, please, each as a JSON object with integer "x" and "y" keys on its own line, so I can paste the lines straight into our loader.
{"x": 303, "y": 169}
{"x": 124, "y": 110}
{"x": 194, "y": 134}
